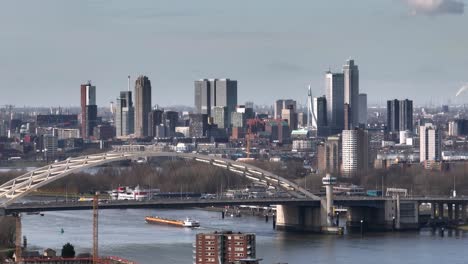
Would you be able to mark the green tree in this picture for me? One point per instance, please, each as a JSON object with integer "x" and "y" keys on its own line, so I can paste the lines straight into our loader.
{"x": 68, "y": 251}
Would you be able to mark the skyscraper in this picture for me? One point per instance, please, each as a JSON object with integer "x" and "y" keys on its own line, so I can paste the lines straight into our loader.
{"x": 155, "y": 119}
{"x": 334, "y": 88}
{"x": 399, "y": 115}
{"x": 406, "y": 115}
{"x": 362, "y": 109}
{"x": 320, "y": 112}
{"x": 351, "y": 90}
{"x": 210, "y": 93}
{"x": 355, "y": 151}
{"x": 283, "y": 104}
{"x": 142, "y": 105}
{"x": 124, "y": 115}
{"x": 430, "y": 144}
{"x": 88, "y": 109}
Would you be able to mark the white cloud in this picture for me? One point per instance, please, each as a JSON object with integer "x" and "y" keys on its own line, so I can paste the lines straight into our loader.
{"x": 436, "y": 7}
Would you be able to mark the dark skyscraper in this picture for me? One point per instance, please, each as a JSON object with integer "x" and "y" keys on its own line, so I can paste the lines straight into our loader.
{"x": 215, "y": 92}
{"x": 351, "y": 91}
{"x": 399, "y": 115}
{"x": 334, "y": 85}
{"x": 88, "y": 109}
{"x": 155, "y": 118}
{"x": 142, "y": 105}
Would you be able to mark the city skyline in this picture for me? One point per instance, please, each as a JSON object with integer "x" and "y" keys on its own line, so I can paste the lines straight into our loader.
{"x": 275, "y": 53}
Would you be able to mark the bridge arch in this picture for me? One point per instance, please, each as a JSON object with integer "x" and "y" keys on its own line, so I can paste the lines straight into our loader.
{"x": 28, "y": 182}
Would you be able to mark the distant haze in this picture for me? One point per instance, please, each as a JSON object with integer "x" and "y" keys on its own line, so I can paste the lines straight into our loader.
{"x": 274, "y": 48}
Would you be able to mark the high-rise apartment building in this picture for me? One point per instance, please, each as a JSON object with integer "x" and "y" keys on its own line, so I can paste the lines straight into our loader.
{"x": 351, "y": 90}
{"x": 198, "y": 124}
{"x": 283, "y": 104}
{"x": 88, "y": 109}
{"x": 224, "y": 247}
{"x": 142, "y": 105}
{"x": 334, "y": 93}
{"x": 362, "y": 109}
{"x": 329, "y": 155}
{"x": 171, "y": 120}
{"x": 210, "y": 93}
{"x": 124, "y": 115}
{"x": 399, "y": 115}
{"x": 355, "y": 151}
{"x": 430, "y": 144}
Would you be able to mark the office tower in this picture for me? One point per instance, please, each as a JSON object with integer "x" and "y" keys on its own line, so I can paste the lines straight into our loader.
{"x": 290, "y": 115}
{"x": 124, "y": 115}
{"x": 355, "y": 152}
{"x": 203, "y": 92}
{"x": 171, "y": 120}
{"x": 399, "y": 115}
{"x": 362, "y": 109}
{"x": 393, "y": 115}
{"x": 88, "y": 109}
{"x": 302, "y": 120}
{"x": 334, "y": 87}
{"x": 430, "y": 146}
{"x": 351, "y": 90}
{"x": 224, "y": 247}
{"x": 406, "y": 115}
{"x": 320, "y": 112}
{"x": 210, "y": 93}
{"x": 142, "y": 105}
{"x": 283, "y": 104}
{"x": 155, "y": 119}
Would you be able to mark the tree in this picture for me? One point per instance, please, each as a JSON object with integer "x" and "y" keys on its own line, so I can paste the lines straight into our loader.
{"x": 68, "y": 251}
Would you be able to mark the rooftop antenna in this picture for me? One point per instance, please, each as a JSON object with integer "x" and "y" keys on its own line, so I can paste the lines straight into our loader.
{"x": 128, "y": 83}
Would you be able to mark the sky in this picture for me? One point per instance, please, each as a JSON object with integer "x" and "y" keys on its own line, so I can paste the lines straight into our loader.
{"x": 415, "y": 49}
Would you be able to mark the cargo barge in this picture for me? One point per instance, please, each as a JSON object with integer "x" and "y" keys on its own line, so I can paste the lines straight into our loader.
{"x": 181, "y": 223}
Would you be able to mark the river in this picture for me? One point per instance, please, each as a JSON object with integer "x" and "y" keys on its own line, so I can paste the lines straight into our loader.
{"x": 124, "y": 233}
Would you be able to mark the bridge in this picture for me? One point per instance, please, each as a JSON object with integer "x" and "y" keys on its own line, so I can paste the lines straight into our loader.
{"x": 303, "y": 211}
{"x": 28, "y": 182}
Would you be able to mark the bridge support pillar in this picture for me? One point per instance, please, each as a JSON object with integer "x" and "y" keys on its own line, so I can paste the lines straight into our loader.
{"x": 298, "y": 218}
{"x": 457, "y": 212}
{"x": 463, "y": 212}
{"x": 2, "y": 211}
{"x": 433, "y": 210}
{"x": 450, "y": 211}
{"x": 440, "y": 210}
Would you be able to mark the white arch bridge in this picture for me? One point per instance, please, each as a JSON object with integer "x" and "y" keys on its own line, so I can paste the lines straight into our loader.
{"x": 28, "y": 182}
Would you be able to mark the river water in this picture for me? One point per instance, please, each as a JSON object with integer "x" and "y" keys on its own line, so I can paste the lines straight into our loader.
{"x": 124, "y": 233}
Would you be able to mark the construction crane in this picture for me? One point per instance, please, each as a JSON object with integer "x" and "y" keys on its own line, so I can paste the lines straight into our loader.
{"x": 95, "y": 228}
{"x": 18, "y": 251}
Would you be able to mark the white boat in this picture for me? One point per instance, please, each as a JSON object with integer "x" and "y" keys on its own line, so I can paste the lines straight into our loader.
{"x": 188, "y": 222}
{"x": 127, "y": 193}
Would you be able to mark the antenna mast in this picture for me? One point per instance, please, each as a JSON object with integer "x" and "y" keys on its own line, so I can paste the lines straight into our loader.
{"x": 128, "y": 87}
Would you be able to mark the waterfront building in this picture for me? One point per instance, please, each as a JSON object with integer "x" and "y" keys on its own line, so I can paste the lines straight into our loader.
{"x": 224, "y": 247}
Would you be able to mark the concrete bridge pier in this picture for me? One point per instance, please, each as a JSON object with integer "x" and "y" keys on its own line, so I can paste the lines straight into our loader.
{"x": 463, "y": 212}
{"x": 450, "y": 211}
{"x": 298, "y": 218}
{"x": 457, "y": 212}
{"x": 433, "y": 210}
{"x": 440, "y": 210}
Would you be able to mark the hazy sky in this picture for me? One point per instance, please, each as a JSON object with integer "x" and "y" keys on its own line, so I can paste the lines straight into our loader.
{"x": 274, "y": 48}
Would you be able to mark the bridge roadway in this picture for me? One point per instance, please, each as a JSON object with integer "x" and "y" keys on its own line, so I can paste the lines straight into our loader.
{"x": 340, "y": 201}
